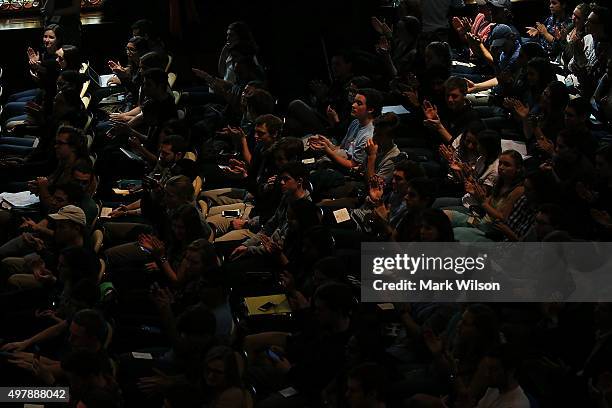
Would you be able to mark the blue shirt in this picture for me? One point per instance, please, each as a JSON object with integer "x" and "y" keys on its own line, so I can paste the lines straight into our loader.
{"x": 355, "y": 140}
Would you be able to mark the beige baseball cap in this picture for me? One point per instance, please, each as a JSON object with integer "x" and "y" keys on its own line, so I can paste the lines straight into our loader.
{"x": 70, "y": 213}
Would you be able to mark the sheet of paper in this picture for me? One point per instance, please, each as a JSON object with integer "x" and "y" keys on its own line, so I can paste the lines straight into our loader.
{"x": 514, "y": 145}
{"x": 254, "y": 303}
{"x": 105, "y": 212}
{"x": 120, "y": 191}
{"x": 142, "y": 356}
{"x": 21, "y": 199}
{"x": 288, "y": 392}
{"x": 386, "y": 306}
{"x": 341, "y": 215}
{"x": 397, "y": 109}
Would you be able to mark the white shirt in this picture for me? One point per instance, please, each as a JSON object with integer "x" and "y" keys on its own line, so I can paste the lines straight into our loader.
{"x": 512, "y": 399}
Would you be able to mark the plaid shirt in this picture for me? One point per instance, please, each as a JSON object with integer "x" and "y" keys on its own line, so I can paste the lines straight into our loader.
{"x": 521, "y": 218}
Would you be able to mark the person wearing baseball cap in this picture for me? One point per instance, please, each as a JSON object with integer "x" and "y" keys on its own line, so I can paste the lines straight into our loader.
{"x": 70, "y": 226}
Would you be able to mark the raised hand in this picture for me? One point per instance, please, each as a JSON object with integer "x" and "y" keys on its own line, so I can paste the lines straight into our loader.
{"x": 430, "y": 111}
{"x": 541, "y": 28}
{"x": 532, "y": 31}
{"x": 545, "y": 145}
{"x": 33, "y": 57}
{"x": 332, "y": 115}
{"x": 371, "y": 147}
{"x": 116, "y": 67}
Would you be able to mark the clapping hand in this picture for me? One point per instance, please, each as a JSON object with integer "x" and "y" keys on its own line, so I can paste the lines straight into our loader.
{"x": 116, "y": 67}
{"x": 33, "y": 58}
{"x": 237, "y": 167}
{"x": 432, "y": 120}
{"x": 545, "y": 145}
{"x": 532, "y": 31}
{"x": 473, "y": 40}
{"x": 332, "y": 115}
{"x": 270, "y": 246}
{"x": 371, "y": 147}
{"x": 520, "y": 109}
{"x": 33, "y": 242}
{"x": 541, "y": 28}
{"x": 153, "y": 244}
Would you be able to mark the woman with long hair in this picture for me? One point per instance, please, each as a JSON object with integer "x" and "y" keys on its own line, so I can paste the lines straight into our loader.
{"x": 493, "y": 206}
{"x": 223, "y": 376}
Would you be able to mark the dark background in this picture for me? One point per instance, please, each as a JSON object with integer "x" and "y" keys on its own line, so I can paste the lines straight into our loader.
{"x": 289, "y": 34}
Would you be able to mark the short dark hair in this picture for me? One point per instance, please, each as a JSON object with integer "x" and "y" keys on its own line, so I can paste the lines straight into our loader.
{"x": 157, "y": 75}
{"x": 456, "y": 82}
{"x": 555, "y": 212}
{"x": 332, "y": 267}
{"x": 425, "y": 187}
{"x": 153, "y": 59}
{"x": 274, "y": 124}
{"x": 374, "y": 100}
{"x": 438, "y": 219}
{"x": 93, "y": 322}
{"x": 295, "y": 169}
{"x": 144, "y": 27}
{"x": 141, "y": 44}
{"x": 260, "y": 102}
{"x": 411, "y": 169}
{"x": 178, "y": 143}
{"x": 387, "y": 122}
{"x": 291, "y": 147}
{"x": 337, "y": 296}
{"x": 533, "y": 50}
{"x": 197, "y": 320}
{"x": 72, "y": 190}
{"x": 76, "y": 138}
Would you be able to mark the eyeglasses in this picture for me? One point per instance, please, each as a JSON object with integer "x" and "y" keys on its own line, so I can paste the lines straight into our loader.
{"x": 61, "y": 142}
{"x": 285, "y": 178}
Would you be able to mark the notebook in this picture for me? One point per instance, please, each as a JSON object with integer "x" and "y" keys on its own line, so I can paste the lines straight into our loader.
{"x": 280, "y": 301}
{"x": 100, "y": 80}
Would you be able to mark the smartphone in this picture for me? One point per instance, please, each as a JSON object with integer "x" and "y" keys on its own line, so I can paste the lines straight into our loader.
{"x": 273, "y": 356}
{"x": 266, "y": 306}
{"x": 143, "y": 249}
{"x": 230, "y": 213}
